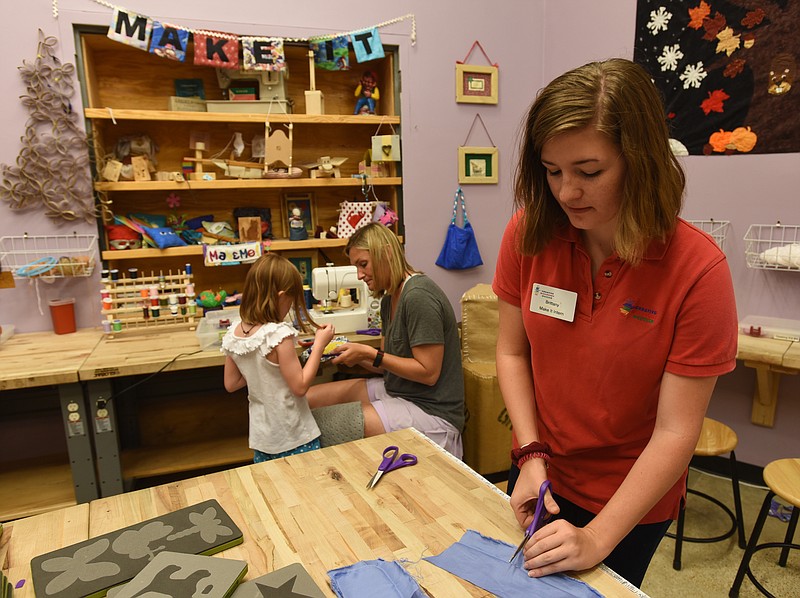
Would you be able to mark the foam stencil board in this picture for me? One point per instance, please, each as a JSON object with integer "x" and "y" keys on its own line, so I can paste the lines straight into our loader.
{"x": 90, "y": 567}
{"x": 292, "y": 581}
{"x": 177, "y": 574}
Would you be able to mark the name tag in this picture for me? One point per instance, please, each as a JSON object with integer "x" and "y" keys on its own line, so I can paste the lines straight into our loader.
{"x": 553, "y": 302}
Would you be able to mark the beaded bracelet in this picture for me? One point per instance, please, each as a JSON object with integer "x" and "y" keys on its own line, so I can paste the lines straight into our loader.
{"x": 529, "y": 456}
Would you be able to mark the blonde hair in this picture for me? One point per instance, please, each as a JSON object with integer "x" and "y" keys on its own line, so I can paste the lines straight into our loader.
{"x": 389, "y": 265}
{"x": 618, "y": 98}
{"x": 267, "y": 277}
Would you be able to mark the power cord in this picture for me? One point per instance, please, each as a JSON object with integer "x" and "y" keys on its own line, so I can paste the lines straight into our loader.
{"x": 101, "y": 403}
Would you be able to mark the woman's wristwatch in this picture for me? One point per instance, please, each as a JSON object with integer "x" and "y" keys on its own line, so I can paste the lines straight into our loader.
{"x": 378, "y": 359}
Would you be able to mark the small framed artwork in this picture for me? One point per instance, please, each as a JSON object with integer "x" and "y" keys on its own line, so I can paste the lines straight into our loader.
{"x": 477, "y": 165}
{"x": 476, "y": 84}
{"x": 299, "y": 218}
{"x": 304, "y": 262}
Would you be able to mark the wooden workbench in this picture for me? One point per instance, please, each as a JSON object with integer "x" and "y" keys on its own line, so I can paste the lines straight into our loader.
{"x": 314, "y": 509}
{"x": 144, "y": 353}
{"x": 770, "y": 358}
{"x": 44, "y": 359}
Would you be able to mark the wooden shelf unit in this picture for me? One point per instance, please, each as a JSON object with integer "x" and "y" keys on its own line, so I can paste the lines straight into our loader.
{"x": 127, "y": 91}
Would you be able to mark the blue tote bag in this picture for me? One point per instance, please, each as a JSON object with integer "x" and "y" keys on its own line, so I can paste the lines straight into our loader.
{"x": 460, "y": 250}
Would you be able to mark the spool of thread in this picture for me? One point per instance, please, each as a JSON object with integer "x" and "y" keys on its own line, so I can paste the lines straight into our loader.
{"x": 191, "y": 306}
{"x": 104, "y": 276}
{"x": 173, "y": 299}
{"x": 173, "y": 309}
{"x": 144, "y": 293}
{"x": 163, "y": 300}
{"x": 105, "y": 294}
{"x": 145, "y": 312}
{"x": 162, "y": 282}
{"x": 154, "y": 301}
{"x": 181, "y": 298}
{"x": 107, "y": 303}
{"x": 188, "y": 269}
{"x": 154, "y": 291}
{"x": 155, "y": 311}
{"x": 133, "y": 273}
{"x": 190, "y": 289}
{"x": 106, "y": 326}
{"x": 114, "y": 275}
{"x": 117, "y": 325}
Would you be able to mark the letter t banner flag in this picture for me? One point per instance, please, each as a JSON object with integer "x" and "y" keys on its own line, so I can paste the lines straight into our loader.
{"x": 367, "y": 45}
{"x": 220, "y": 52}
{"x": 131, "y": 29}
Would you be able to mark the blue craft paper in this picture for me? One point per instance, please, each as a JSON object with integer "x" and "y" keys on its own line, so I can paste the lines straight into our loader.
{"x": 367, "y": 579}
{"x": 484, "y": 562}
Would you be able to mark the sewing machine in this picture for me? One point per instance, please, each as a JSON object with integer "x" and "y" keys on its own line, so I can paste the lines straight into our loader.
{"x": 331, "y": 286}
{"x": 271, "y": 92}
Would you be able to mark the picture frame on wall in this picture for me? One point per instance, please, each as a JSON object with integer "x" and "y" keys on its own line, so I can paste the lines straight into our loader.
{"x": 304, "y": 202}
{"x": 477, "y": 165}
{"x": 305, "y": 262}
{"x": 476, "y": 84}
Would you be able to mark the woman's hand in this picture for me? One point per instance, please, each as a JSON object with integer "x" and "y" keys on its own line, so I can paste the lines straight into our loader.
{"x": 351, "y": 354}
{"x": 560, "y": 546}
{"x": 526, "y": 492}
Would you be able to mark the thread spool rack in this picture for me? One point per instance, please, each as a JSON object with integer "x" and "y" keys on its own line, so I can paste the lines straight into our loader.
{"x": 157, "y": 301}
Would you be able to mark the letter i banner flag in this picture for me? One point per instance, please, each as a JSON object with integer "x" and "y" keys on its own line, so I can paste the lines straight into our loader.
{"x": 219, "y": 50}
{"x": 367, "y": 44}
{"x": 168, "y": 41}
{"x": 131, "y": 29}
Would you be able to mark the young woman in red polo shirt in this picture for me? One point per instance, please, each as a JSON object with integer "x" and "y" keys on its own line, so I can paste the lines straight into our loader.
{"x": 616, "y": 318}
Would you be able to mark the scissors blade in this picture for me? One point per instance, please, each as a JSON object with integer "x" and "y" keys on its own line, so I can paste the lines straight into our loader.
{"x": 521, "y": 545}
{"x": 371, "y": 484}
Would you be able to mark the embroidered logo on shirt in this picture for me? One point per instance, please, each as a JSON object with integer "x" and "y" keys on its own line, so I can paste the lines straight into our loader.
{"x": 637, "y": 312}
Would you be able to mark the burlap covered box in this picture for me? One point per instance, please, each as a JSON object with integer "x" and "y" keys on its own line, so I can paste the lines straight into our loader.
{"x": 487, "y": 434}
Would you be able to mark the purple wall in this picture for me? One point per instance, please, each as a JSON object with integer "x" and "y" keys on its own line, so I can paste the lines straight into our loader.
{"x": 532, "y": 42}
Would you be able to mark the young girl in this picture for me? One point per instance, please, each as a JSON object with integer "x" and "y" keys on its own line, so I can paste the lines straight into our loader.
{"x": 261, "y": 355}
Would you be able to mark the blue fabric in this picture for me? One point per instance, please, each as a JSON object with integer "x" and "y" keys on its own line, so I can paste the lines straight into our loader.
{"x": 260, "y": 457}
{"x": 164, "y": 237}
{"x": 367, "y": 579}
{"x": 484, "y": 562}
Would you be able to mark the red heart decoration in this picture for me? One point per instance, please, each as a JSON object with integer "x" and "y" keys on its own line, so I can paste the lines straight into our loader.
{"x": 354, "y": 219}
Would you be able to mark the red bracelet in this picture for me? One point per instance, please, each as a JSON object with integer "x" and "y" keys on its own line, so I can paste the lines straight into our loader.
{"x": 539, "y": 450}
{"x": 529, "y": 456}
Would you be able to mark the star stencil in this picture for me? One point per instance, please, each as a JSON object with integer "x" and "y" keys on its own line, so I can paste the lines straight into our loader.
{"x": 283, "y": 591}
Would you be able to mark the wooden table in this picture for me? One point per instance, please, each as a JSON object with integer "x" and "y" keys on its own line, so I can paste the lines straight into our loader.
{"x": 314, "y": 509}
{"x": 146, "y": 353}
{"x": 42, "y": 359}
{"x": 770, "y": 358}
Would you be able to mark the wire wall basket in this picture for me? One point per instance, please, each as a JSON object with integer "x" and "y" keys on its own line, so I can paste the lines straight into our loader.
{"x": 49, "y": 256}
{"x": 718, "y": 229}
{"x": 773, "y": 246}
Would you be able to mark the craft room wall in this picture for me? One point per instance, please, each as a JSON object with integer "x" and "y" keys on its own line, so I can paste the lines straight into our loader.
{"x": 532, "y": 42}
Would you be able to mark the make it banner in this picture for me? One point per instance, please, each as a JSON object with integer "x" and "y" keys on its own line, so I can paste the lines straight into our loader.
{"x": 726, "y": 71}
{"x": 221, "y": 50}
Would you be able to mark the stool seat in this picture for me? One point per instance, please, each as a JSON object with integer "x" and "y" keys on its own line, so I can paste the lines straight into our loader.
{"x": 783, "y": 480}
{"x": 715, "y": 439}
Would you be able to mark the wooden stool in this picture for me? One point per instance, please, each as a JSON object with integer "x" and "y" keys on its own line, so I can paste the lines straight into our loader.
{"x": 715, "y": 439}
{"x": 783, "y": 479}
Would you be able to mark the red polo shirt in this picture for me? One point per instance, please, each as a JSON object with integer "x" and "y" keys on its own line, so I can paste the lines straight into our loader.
{"x": 597, "y": 378}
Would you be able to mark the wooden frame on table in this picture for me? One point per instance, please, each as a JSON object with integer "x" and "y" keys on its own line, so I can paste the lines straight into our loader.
{"x": 476, "y": 84}
{"x": 305, "y": 202}
{"x": 477, "y": 165}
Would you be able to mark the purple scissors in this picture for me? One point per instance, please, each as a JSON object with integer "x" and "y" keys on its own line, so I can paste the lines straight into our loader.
{"x": 540, "y": 515}
{"x": 391, "y": 461}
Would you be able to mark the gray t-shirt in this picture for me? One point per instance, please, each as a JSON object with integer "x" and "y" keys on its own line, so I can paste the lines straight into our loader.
{"x": 424, "y": 316}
